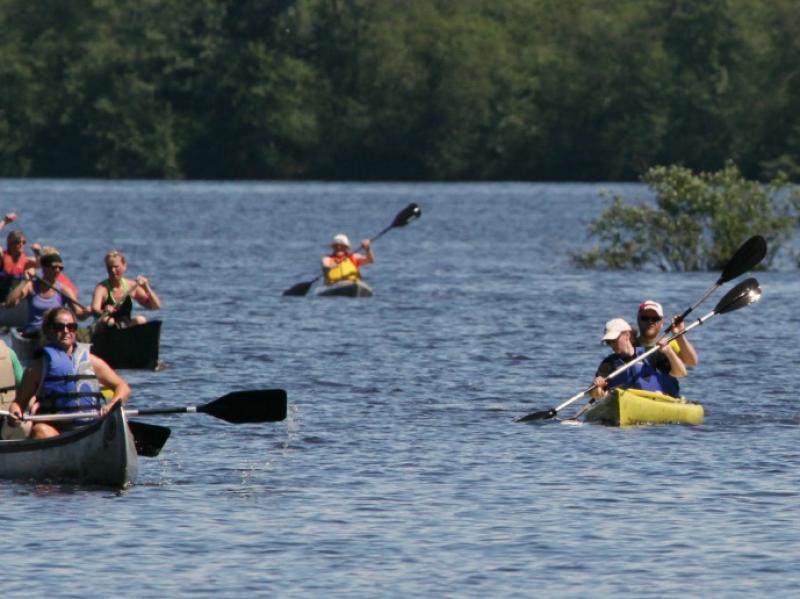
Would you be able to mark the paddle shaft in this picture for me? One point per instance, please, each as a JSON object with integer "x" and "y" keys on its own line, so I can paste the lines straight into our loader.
{"x": 749, "y": 254}
{"x": 75, "y": 302}
{"x": 94, "y": 414}
{"x": 252, "y": 406}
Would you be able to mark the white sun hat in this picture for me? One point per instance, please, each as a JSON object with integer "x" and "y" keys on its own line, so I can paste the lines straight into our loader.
{"x": 614, "y": 328}
{"x": 341, "y": 239}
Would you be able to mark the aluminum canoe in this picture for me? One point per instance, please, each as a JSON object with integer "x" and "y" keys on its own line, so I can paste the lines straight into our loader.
{"x": 101, "y": 453}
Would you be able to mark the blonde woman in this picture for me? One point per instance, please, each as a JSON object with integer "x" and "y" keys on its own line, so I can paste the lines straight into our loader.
{"x": 112, "y": 300}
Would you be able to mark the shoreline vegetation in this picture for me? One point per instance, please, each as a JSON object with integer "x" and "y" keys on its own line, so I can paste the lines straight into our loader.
{"x": 429, "y": 90}
{"x": 697, "y": 221}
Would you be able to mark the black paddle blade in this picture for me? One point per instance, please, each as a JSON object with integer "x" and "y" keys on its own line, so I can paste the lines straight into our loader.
{"x": 149, "y": 438}
{"x": 299, "y": 289}
{"x": 543, "y": 415}
{"x": 746, "y": 257}
{"x": 408, "y": 214}
{"x": 745, "y": 293}
{"x": 265, "y": 405}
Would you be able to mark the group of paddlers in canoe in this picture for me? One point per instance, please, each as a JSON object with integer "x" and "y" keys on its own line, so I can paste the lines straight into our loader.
{"x": 62, "y": 374}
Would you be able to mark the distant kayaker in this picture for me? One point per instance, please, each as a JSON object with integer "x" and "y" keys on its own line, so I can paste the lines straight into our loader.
{"x": 45, "y": 294}
{"x": 651, "y": 319}
{"x": 65, "y": 378}
{"x": 342, "y": 264}
{"x": 660, "y": 371}
{"x": 112, "y": 301}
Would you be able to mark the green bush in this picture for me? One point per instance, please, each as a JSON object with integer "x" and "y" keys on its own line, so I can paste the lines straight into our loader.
{"x": 697, "y": 223}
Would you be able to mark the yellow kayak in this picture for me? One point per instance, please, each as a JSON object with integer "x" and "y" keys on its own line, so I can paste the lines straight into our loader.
{"x": 629, "y": 407}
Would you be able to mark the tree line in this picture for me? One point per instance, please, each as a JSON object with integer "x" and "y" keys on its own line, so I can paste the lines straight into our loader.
{"x": 398, "y": 89}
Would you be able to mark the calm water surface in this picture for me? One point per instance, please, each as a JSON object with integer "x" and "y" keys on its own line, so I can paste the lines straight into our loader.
{"x": 399, "y": 471}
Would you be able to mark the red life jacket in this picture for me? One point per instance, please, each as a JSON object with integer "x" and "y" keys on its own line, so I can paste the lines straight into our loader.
{"x": 14, "y": 268}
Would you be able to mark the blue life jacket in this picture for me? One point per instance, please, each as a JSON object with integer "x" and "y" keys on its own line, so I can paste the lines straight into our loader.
{"x": 643, "y": 375}
{"x": 69, "y": 383}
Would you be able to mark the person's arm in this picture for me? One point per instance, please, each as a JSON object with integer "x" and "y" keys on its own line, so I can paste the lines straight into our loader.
{"x": 145, "y": 295}
{"x": 36, "y": 248}
{"x": 601, "y": 380}
{"x": 677, "y": 367}
{"x": 19, "y": 293}
{"x": 9, "y": 218}
{"x": 369, "y": 258}
{"x": 98, "y": 297}
{"x": 108, "y": 378}
{"x": 31, "y": 379}
{"x": 81, "y": 312}
{"x": 687, "y": 352}
{"x": 600, "y": 388}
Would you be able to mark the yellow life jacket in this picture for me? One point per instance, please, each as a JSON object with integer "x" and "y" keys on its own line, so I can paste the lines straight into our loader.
{"x": 345, "y": 270}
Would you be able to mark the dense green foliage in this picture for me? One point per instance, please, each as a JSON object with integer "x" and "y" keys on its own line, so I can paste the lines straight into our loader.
{"x": 697, "y": 222}
{"x": 397, "y": 89}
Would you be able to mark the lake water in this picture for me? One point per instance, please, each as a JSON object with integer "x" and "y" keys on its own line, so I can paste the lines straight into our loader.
{"x": 400, "y": 471}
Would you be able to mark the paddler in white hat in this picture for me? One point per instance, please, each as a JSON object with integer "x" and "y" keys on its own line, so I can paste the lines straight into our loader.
{"x": 342, "y": 264}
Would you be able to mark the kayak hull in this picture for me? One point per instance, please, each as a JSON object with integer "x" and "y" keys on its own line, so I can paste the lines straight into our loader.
{"x": 631, "y": 407}
{"x": 101, "y": 453}
{"x": 345, "y": 289}
{"x": 131, "y": 347}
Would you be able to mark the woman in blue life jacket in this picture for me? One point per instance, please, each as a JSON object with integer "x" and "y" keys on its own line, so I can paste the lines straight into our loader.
{"x": 660, "y": 371}
{"x": 65, "y": 378}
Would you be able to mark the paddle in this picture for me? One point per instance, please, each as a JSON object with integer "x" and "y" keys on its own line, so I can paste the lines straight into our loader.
{"x": 67, "y": 298}
{"x": 749, "y": 254}
{"x": 149, "y": 438}
{"x": 263, "y": 405}
{"x": 405, "y": 216}
{"x": 745, "y": 293}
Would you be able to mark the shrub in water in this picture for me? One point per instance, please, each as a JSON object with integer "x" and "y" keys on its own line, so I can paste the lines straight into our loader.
{"x": 697, "y": 223}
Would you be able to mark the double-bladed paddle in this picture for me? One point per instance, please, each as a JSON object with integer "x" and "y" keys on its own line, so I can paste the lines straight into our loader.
{"x": 749, "y": 254}
{"x": 745, "y": 293}
{"x": 405, "y": 216}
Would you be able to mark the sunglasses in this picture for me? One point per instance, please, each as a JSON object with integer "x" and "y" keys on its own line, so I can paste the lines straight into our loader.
{"x": 20, "y": 242}
{"x": 60, "y": 327}
{"x": 56, "y": 267}
{"x": 649, "y": 319}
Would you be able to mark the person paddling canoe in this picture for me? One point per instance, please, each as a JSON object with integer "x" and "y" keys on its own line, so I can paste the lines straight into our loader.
{"x": 658, "y": 372}
{"x": 650, "y": 318}
{"x": 15, "y": 261}
{"x": 11, "y": 372}
{"x": 112, "y": 301}
{"x": 343, "y": 265}
{"x": 65, "y": 378}
{"x": 45, "y": 294}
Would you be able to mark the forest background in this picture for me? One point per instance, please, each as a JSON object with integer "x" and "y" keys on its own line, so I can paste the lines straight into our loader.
{"x": 546, "y": 90}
